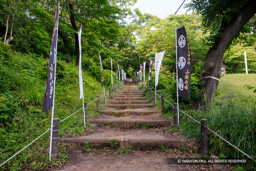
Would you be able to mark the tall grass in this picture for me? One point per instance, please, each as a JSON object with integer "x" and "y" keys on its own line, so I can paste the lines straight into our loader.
{"x": 233, "y": 119}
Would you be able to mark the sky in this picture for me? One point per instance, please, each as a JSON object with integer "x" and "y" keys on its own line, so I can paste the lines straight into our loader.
{"x": 160, "y": 8}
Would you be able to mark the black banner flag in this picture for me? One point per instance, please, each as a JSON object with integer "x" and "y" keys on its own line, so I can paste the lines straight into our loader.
{"x": 184, "y": 63}
{"x": 102, "y": 78}
{"x": 50, "y": 85}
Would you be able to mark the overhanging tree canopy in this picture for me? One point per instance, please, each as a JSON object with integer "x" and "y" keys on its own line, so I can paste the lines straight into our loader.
{"x": 225, "y": 19}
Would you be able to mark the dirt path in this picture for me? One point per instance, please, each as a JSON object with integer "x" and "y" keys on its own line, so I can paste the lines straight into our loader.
{"x": 133, "y": 160}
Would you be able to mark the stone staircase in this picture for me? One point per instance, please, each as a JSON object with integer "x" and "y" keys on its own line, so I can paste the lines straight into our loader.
{"x": 133, "y": 121}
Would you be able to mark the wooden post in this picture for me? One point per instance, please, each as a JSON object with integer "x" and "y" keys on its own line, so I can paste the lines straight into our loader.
{"x": 175, "y": 115}
{"x": 150, "y": 92}
{"x": 105, "y": 96}
{"x": 204, "y": 138}
{"x": 162, "y": 102}
{"x": 154, "y": 95}
{"x": 109, "y": 94}
{"x": 55, "y": 132}
{"x": 85, "y": 113}
{"x": 98, "y": 103}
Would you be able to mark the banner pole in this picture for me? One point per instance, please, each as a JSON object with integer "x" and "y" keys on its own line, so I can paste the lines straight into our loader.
{"x": 84, "y": 113}
{"x": 104, "y": 95}
{"x": 50, "y": 150}
{"x": 155, "y": 95}
{"x": 111, "y": 75}
{"x": 177, "y": 77}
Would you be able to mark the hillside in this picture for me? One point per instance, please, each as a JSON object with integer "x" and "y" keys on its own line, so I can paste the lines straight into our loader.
{"x": 234, "y": 85}
{"x": 22, "y": 80}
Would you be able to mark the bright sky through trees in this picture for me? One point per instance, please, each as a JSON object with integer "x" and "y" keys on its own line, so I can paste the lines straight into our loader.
{"x": 161, "y": 8}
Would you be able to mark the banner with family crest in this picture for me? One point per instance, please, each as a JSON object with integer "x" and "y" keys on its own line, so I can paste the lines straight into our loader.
{"x": 184, "y": 63}
{"x": 50, "y": 85}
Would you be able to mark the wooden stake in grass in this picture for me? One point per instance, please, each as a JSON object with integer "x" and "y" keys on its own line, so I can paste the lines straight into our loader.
{"x": 98, "y": 103}
{"x": 162, "y": 102}
{"x": 204, "y": 138}
{"x": 55, "y": 132}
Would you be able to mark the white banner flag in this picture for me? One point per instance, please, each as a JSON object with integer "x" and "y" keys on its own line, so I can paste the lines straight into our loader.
{"x": 80, "y": 65}
{"x": 158, "y": 61}
{"x": 144, "y": 67}
{"x": 111, "y": 73}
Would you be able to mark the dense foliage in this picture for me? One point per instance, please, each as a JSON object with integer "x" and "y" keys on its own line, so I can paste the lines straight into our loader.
{"x": 25, "y": 34}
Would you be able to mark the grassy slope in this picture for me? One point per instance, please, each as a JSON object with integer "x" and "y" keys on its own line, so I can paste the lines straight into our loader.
{"x": 22, "y": 80}
{"x": 232, "y": 85}
{"x": 232, "y": 116}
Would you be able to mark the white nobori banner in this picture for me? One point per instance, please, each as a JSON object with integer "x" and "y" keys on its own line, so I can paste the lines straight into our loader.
{"x": 80, "y": 64}
{"x": 158, "y": 61}
{"x": 144, "y": 67}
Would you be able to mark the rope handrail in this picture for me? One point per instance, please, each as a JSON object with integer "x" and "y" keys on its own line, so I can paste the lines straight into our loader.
{"x": 92, "y": 101}
{"x": 71, "y": 115}
{"x": 25, "y": 147}
{"x": 219, "y": 136}
{"x": 43, "y": 134}
{"x": 215, "y": 134}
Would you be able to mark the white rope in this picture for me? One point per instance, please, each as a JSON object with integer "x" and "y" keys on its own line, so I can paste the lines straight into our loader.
{"x": 212, "y": 77}
{"x": 168, "y": 101}
{"x": 221, "y": 137}
{"x": 24, "y": 147}
{"x": 42, "y": 135}
{"x": 191, "y": 117}
{"x": 231, "y": 144}
{"x": 71, "y": 115}
{"x": 92, "y": 101}
{"x": 216, "y": 134}
{"x": 158, "y": 95}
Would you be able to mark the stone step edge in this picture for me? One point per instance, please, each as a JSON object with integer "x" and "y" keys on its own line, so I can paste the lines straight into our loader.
{"x": 127, "y": 142}
{"x": 129, "y": 105}
{"x": 117, "y": 113}
{"x": 128, "y": 123}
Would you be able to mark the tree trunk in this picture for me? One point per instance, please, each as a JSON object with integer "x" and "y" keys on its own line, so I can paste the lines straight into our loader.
{"x": 10, "y": 38}
{"x": 73, "y": 23}
{"x": 63, "y": 37}
{"x": 214, "y": 56}
{"x": 6, "y": 27}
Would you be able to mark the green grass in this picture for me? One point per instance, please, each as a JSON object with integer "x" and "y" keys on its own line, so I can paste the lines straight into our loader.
{"x": 22, "y": 81}
{"x": 232, "y": 116}
{"x": 232, "y": 85}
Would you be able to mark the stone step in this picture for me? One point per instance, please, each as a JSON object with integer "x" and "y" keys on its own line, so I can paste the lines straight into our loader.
{"x": 127, "y": 91}
{"x": 117, "y": 95}
{"x": 120, "y": 112}
{"x": 128, "y": 101}
{"x": 131, "y": 121}
{"x": 129, "y": 94}
{"x": 125, "y": 106}
{"x": 143, "y": 139}
{"x": 130, "y": 98}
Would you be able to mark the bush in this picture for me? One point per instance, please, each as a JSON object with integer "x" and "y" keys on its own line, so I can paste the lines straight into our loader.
{"x": 95, "y": 71}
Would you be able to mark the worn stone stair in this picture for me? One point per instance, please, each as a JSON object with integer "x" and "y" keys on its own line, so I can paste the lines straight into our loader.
{"x": 132, "y": 120}
{"x": 143, "y": 139}
{"x": 125, "y": 106}
{"x": 128, "y": 101}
